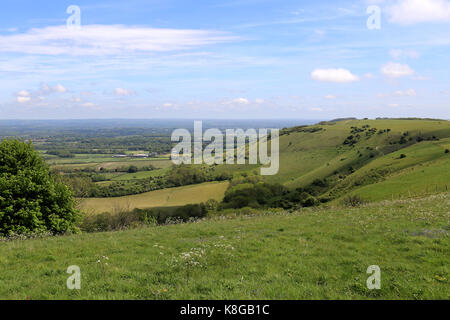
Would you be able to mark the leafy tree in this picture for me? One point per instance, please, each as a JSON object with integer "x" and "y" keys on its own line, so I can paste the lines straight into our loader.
{"x": 30, "y": 198}
{"x": 132, "y": 169}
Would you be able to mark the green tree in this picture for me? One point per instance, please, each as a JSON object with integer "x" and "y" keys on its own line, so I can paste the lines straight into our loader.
{"x": 30, "y": 198}
{"x": 132, "y": 169}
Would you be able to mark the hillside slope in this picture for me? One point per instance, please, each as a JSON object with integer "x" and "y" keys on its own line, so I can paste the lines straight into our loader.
{"x": 354, "y": 153}
{"x": 309, "y": 254}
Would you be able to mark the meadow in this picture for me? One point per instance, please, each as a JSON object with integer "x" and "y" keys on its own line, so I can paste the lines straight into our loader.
{"x": 314, "y": 253}
{"x": 169, "y": 197}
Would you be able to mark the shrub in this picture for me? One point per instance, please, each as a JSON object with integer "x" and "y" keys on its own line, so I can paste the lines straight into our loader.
{"x": 310, "y": 201}
{"x": 447, "y": 150}
{"x": 31, "y": 200}
{"x": 352, "y": 201}
{"x": 402, "y": 156}
{"x": 132, "y": 169}
{"x": 123, "y": 218}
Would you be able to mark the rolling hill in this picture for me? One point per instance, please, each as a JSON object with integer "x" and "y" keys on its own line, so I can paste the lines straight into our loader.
{"x": 374, "y": 159}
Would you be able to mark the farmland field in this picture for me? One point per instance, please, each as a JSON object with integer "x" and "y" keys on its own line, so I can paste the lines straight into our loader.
{"x": 140, "y": 174}
{"x": 166, "y": 197}
{"x": 109, "y": 163}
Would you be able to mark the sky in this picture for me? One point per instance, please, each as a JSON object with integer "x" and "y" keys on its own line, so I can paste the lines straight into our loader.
{"x": 253, "y": 59}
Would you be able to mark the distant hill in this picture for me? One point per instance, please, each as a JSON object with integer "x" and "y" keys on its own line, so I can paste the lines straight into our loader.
{"x": 377, "y": 159}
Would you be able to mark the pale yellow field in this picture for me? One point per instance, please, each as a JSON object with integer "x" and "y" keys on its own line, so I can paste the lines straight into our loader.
{"x": 159, "y": 198}
{"x": 164, "y": 163}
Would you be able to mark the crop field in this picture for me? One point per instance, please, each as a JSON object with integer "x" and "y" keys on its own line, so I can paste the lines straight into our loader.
{"x": 309, "y": 254}
{"x": 169, "y": 197}
{"x": 140, "y": 175}
{"x": 110, "y": 163}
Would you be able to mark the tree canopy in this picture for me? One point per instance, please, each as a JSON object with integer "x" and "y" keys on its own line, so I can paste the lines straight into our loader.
{"x": 31, "y": 200}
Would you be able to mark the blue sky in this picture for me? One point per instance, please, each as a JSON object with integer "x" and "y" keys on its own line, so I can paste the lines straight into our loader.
{"x": 224, "y": 59}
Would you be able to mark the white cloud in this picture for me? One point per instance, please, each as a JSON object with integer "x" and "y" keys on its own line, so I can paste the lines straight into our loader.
{"x": 167, "y": 105}
{"x": 108, "y": 40}
{"x": 46, "y": 89}
{"x": 396, "y": 70}
{"x": 416, "y": 11}
{"x": 393, "y": 105}
{"x": 408, "y": 92}
{"x": 399, "y": 93}
{"x": 317, "y": 109}
{"x": 333, "y": 75}
{"x": 398, "y": 53}
{"x": 369, "y": 76}
{"x": 241, "y": 101}
{"x": 420, "y": 78}
{"x": 330, "y": 97}
{"x": 123, "y": 92}
{"x": 59, "y": 88}
{"x": 23, "y": 93}
{"x": 23, "y": 99}
{"x": 89, "y": 105}
{"x": 259, "y": 101}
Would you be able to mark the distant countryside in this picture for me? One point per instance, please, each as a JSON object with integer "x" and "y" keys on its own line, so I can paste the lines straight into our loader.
{"x": 358, "y": 190}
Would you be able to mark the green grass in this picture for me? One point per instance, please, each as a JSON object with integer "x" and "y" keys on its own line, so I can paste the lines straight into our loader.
{"x": 140, "y": 175}
{"x": 111, "y": 164}
{"x": 160, "y": 198}
{"x": 92, "y": 158}
{"x": 310, "y": 254}
{"x": 424, "y": 170}
{"x": 305, "y": 156}
{"x": 431, "y": 177}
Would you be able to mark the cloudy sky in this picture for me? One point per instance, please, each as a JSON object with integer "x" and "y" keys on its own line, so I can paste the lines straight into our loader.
{"x": 224, "y": 59}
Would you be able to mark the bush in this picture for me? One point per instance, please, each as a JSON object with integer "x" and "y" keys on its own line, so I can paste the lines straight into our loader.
{"x": 132, "y": 169}
{"x": 124, "y": 218}
{"x": 402, "y": 156}
{"x": 352, "y": 201}
{"x": 310, "y": 201}
{"x": 31, "y": 201}
{"x": 447, "y": 150}
{"x": 114, "y": 221}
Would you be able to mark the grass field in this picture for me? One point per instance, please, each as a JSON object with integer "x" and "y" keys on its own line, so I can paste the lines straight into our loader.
{"x": 309, "y": 254}
{"x": 140, "y": 175}
{"x": 165, "y": 197}
{"x": 424, "y": 170}
{"x": 306, "y": 156}
{"x": 109, "y": 163}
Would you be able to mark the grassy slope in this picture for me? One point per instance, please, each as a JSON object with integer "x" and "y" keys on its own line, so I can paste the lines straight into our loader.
{"x": 426, "y": 169}
{"x": 321, "y": 253}
{"x": 306, "y": 156}
{"x": 166, "y": 197}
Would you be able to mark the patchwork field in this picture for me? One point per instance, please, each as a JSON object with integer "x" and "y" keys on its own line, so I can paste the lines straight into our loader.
{"x": 108, "y": 163}
{"x": 165, "y": 197}
{"x": 310, "y": 254}
{"x": 140, "y": 175}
